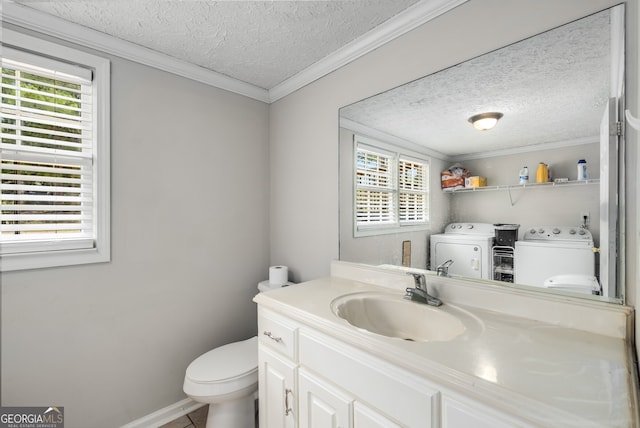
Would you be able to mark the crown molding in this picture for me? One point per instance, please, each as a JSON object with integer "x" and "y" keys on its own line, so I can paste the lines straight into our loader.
{"x": 40, "y": 22}
{"x": 416, "y": 15}
{"x": 400, "y": 142}
{"x": 528, "y": 149}
{"x": 407, "y": 20}
{"x": 382, "y": 136}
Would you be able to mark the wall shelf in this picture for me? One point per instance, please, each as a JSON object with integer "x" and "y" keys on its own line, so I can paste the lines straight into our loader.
{"x": 522, "y": 186}
{"x": 510, "y": 187}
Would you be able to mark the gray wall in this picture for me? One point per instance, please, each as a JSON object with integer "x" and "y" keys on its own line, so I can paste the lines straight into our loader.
{"x": 110, "y": 342}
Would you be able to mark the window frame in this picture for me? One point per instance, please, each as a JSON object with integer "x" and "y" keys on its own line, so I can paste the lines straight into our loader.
{"x": 396, "y": 154}
{"x": 48, "y": 253}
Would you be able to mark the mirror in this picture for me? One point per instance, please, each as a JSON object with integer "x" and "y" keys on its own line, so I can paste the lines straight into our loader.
{"x": 552, "y": 90}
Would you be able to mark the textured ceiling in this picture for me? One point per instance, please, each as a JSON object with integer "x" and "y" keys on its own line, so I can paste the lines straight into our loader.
{"x": 259, "y": 42}
{"x": 550, "y": 88}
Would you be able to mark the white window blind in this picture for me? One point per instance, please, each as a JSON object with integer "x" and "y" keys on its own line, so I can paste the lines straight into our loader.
{"x": 413, "y": 184}
{"x": 47, "y": 155}
{"x": 391, "y": 189}
{"x": 375, "y": 187}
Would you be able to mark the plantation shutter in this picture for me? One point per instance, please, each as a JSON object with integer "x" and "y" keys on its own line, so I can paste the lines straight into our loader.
{"x": 46, "y": 154}
{"x": 413, "y": 182}
{"x": 375, "y": 187}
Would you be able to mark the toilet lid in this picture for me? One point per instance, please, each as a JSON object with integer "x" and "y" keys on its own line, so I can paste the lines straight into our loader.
{"x": 587, "y": 283}
{"x": 226, "y": 362}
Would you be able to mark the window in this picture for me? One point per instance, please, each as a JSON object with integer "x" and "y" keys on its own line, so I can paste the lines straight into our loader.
{"x": 54, "y": 154}
{"x": 391, "y": 189}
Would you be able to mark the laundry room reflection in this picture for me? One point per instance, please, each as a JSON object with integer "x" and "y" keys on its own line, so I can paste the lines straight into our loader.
{"x": 561, "y": 219}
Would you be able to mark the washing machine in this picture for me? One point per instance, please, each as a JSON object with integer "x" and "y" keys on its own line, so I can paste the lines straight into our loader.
{"x": 468, "y": 245}
{"x": 559, "y": 257}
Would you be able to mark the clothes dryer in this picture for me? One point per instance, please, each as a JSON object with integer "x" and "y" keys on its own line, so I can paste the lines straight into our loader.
{"x": 468, "y": 245}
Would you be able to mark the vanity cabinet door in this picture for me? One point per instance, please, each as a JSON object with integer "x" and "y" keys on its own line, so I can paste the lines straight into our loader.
{"x": 365, "y": 417}
{"x": 464, "y": 413}
{"x": 276, "y": 390}
{"x": 322, "y": 405}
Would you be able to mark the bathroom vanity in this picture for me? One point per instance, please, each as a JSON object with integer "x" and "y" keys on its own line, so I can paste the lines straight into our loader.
{"x": 490, "y": 356}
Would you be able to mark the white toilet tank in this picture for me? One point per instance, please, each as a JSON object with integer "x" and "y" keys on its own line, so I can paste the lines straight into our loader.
{"x": 264, "y": 286}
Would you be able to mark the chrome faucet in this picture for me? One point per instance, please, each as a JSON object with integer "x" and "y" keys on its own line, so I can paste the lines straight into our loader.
{"x": 419, "y": 292}
{"x": 443, "y": 268}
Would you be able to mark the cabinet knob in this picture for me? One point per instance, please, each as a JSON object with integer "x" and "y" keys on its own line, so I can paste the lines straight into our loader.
{"x": 271, "y": 336}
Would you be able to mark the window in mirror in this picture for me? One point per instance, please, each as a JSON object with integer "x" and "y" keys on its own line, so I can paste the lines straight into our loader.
{"x": 391, "y": 189}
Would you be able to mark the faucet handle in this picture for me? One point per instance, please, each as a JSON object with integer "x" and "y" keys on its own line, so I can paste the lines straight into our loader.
{"x": 420, "y": 281}
{"x": 443, "y": 268}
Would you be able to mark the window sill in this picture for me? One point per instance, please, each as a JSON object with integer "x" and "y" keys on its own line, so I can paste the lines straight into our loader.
{"x": 382, "y": 230}
{"x": 48, "y": 259}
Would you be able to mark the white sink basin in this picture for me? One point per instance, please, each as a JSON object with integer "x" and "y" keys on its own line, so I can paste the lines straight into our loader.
{"x": 393, "y": 316}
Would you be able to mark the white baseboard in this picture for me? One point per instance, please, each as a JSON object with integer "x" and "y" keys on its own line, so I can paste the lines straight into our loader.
{"x": 165, "y": 415}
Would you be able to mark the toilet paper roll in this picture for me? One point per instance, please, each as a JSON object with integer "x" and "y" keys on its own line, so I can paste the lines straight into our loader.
{"x": 278, "y": 275}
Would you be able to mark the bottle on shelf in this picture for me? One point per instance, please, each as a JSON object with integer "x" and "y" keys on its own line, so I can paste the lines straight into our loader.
{"x": 582, "y": 170}
{"x": 542, "y": 173}
{"x": 524, "y": 176}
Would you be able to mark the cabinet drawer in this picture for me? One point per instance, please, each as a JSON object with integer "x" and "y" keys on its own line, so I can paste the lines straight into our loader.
{"x": 278, "y": 333}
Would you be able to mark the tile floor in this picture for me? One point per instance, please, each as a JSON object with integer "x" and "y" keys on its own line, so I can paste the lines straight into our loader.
{"x": 195, "y": 419}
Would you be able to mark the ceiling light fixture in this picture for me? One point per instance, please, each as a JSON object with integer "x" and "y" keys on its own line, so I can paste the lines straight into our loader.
{"x": 485, "y": 121}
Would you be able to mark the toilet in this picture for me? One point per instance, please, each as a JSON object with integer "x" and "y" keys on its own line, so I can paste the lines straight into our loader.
{"x": 226, "y": 378}
{"x": 585, "y": 284}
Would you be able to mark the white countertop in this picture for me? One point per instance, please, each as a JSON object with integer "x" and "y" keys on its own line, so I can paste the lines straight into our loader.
{"x": 561, "y": 376}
